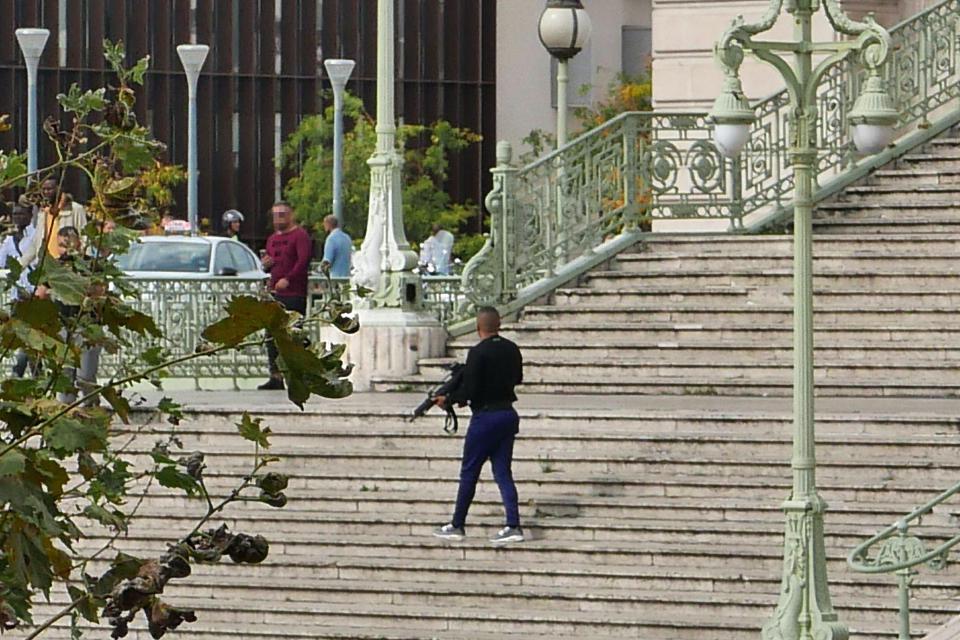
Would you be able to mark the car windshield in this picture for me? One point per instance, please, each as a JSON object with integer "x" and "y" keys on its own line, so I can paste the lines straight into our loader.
{"x": 181, "y": 257}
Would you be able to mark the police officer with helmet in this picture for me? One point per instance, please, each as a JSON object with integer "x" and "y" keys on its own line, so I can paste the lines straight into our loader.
{"x": 231, "y": 223}
{"x": 494, "y": 367}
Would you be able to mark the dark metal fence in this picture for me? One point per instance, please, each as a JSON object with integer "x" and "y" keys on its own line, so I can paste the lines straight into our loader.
{"x": 260, "y": 78}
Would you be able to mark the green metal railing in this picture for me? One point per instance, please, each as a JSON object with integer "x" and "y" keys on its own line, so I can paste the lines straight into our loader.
{"x": 895, "y": 550}
{"x": 578, "y": 206}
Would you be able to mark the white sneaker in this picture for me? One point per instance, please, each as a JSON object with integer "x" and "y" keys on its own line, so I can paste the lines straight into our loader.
{"x": 450, "y": 532}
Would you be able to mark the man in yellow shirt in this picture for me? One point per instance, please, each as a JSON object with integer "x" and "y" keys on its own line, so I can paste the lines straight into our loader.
{"x": 68, "y": 214}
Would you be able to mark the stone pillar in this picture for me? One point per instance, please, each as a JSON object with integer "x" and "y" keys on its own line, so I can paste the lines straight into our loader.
{"x": 395, "y": 331}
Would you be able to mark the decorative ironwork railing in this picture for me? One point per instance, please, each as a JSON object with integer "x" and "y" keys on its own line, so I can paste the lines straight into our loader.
{"x": 896, "y": 550}
{"x": 639, "y": 168}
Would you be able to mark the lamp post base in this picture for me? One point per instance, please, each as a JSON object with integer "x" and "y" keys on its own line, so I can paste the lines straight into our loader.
{"x": 804, "y": 611}
{"x": 390, "y": 342}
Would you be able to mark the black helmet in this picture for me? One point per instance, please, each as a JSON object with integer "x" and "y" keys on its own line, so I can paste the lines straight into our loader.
{"x": 231, "y": 215}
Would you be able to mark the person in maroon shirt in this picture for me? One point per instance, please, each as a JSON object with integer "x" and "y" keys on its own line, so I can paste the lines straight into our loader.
{"x": 287, "y": 260}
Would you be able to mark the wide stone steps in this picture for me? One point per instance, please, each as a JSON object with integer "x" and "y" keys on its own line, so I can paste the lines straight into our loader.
{"x": 729, "y": 354}
{"x": 914, "y": 177}
{"x": 837, "y": 264}
{"x": 891, "y": 278}
{"x": 649, "y": 518}
{"x": 898, "y": 193}
{"x": 527, "y": 601}
{"x": 714, "y": 334}
{"x": 727, "y": 294}
{"x": 743, "y": 315}
{"x": 302, "y": 511}
{"x": 296, "y": 531}
{"x": 777, "y": 245}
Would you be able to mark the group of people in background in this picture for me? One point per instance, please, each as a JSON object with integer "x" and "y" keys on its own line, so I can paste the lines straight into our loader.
{"x": 51, "y": 230}
{"x": 44, "y": 229}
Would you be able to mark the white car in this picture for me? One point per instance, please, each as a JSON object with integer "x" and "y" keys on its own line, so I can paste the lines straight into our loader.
{"x": 190, "y": 258}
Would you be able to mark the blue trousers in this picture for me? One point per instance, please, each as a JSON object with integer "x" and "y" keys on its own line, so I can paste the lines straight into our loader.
{"x": 489, "y": 437}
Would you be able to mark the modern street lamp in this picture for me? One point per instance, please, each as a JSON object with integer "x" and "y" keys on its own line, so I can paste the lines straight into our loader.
{"x": 32, "y": 42}
{"x": 192, "y": 56}
{"x": 339, "y": 72}
{"x": 564, "y": 31}
{"x": 804, "y": 610}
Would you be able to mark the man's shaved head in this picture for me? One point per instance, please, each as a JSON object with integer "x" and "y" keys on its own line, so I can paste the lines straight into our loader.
{"x": 488, "y": 320}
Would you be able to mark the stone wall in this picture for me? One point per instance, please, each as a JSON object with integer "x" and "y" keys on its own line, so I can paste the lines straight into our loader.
{"x": 685, "y": 74}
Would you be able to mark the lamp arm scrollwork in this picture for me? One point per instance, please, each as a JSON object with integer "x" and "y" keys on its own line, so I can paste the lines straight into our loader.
{"x": 874, "y": 42}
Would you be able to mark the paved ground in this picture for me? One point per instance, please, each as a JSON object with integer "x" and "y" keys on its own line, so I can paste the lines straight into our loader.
{"x": 531, "y": 404}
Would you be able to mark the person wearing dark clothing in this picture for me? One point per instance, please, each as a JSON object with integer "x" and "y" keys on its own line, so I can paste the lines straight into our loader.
{"x": 289, "y": 250}
{"x": 494, "y": 367}
{"x": 84, "y": 377}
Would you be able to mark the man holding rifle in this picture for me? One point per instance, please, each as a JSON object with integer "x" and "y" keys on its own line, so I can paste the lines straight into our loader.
{"x": 494, "y": 367}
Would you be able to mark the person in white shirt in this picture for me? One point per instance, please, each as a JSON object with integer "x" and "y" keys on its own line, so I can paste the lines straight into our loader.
{"x": 13, "y": 247}
{"x": 442, "y": 249}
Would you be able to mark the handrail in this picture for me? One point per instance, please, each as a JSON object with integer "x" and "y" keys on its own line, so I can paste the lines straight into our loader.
{"x": 900, "y": 553}
{"x": 643, "y": 167}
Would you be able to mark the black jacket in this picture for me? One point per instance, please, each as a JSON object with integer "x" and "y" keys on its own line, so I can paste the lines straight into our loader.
{"x": 494, "y": 368}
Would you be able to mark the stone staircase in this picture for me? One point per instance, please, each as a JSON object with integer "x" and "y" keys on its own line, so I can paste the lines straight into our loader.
{"x": 651, "y": 467}
{"x": 649, "y": 518}
{"x": 712, "y": 314}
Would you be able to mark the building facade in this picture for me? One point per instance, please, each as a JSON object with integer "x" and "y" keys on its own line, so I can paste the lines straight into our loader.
{"x": 263, "y": 75}
{"x": 526, "y": 74}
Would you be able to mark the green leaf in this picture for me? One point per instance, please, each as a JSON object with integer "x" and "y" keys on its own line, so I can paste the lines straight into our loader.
{"x": 306, "y": 373}
{"x": 51, "y": 474}
{"x": 249, "y": 429}
{"x": 87, "y": 466}
{"x": 82, "y": 102}
{"x": 118, "y": 315}
{"x": 41, "y": 314}
{"x": 120, "y": 404}
{"x": 86, "y": 605}
{"x": 154, "y": 356}
{"x": 139, "y": 70}
{"x": 111, "y": 481}
{"x": 13, "y": 166}
{"x": 29, "y": 560}
{"x": 12, "y": 463}
{"x": 246, "y": 315}
{"x": 115, "y": 519}
{"x": 68, "y": 286}
{"x": 171, "y": 478}
{"x": 67, "y": 435}
{"x": 173, "y": 410}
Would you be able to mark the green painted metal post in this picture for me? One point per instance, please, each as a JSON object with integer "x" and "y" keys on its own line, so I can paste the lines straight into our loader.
{"x": 630, "y": 191}
{"x": 804, "y": 610}
{"x": 904, "y": 578}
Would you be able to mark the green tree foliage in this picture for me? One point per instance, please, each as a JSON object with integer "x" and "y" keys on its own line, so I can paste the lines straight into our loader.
{"x": 624, "y": 93}
{"x": 426, "y": 153}
{"x": 65, "y": 475}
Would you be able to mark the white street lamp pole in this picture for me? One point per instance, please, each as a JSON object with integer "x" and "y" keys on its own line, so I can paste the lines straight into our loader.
{"x": 192, "y": 56}
{"x": 564, "y": 30}
{"x": 32, "y": 42}
{"x": 385, "y": 255}
{"x": 562, "y": 81}
{"x": 339, "y": 73}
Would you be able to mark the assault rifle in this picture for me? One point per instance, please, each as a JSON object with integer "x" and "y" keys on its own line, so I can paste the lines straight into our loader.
{"x": 453, "y": 380}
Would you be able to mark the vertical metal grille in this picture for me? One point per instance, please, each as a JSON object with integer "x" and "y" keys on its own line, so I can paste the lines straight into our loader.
{"x": 262, "y": 69}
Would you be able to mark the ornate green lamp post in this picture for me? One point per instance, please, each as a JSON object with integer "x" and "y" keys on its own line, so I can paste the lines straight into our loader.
{"x": 804, "y": 611}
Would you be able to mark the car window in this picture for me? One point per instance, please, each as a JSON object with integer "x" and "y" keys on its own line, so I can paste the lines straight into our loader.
{"x": 180, "y": 257}
{"x": 224, "y": 259}
{"x": 241, "y": 257}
